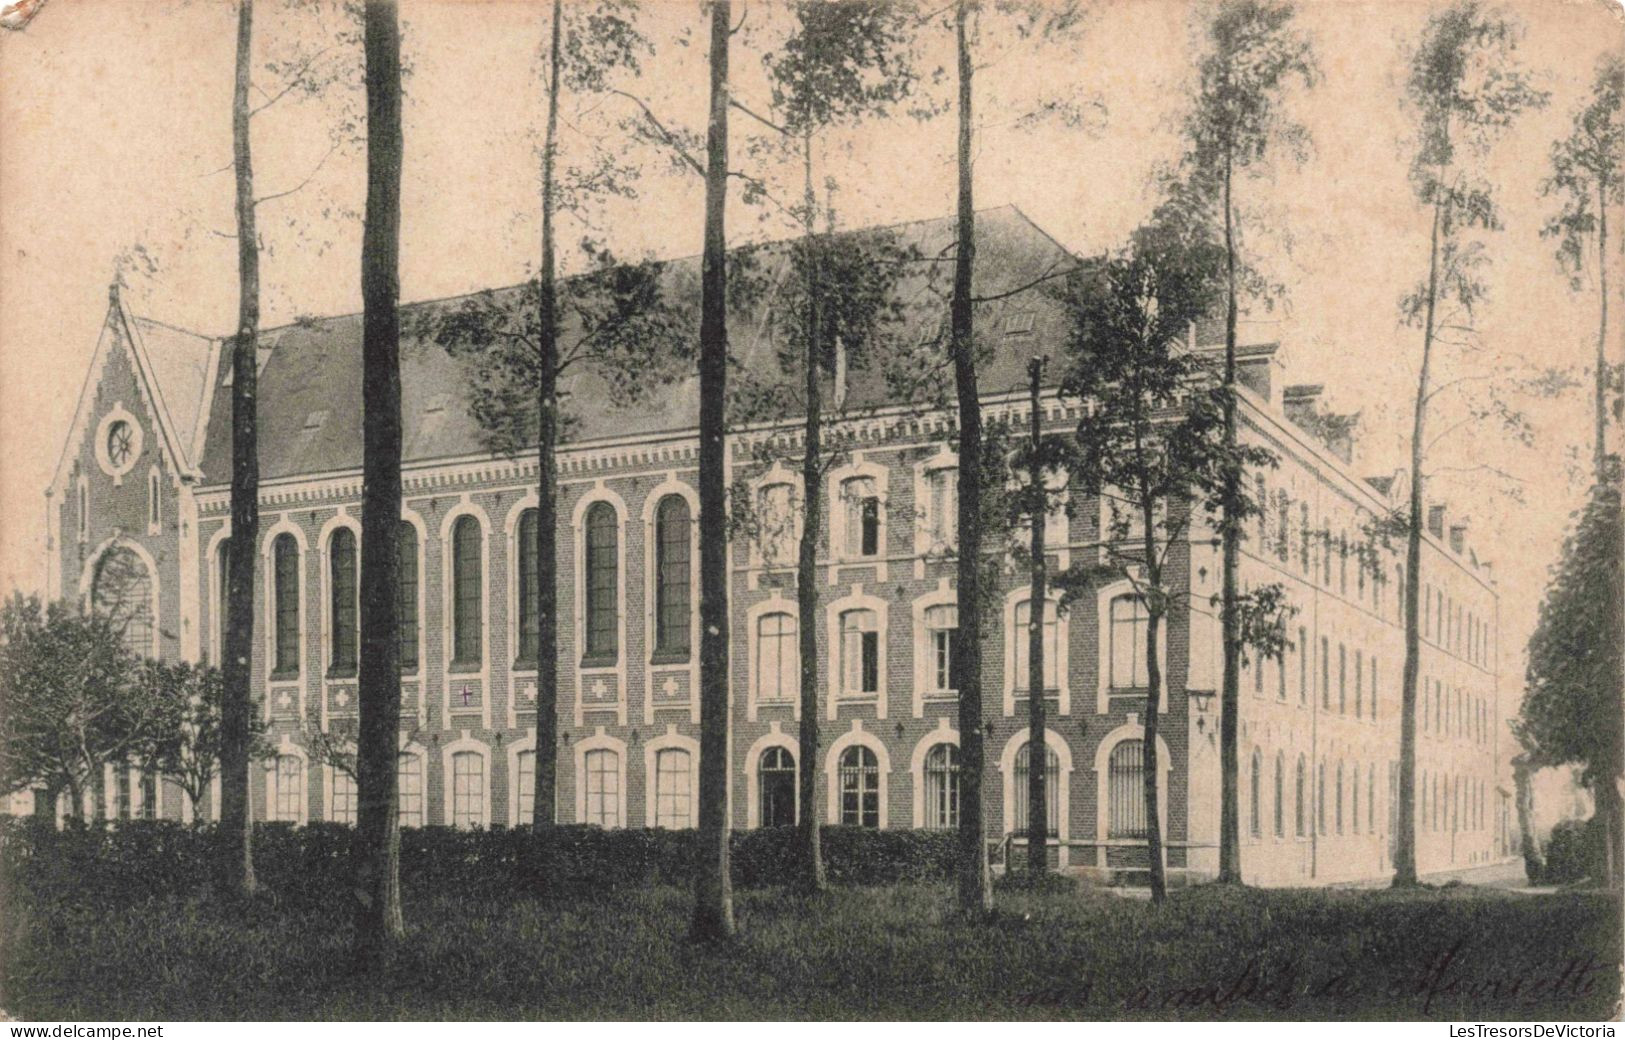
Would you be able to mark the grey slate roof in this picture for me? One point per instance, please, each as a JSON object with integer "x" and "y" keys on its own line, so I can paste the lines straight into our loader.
{"x": 310, "y": 376}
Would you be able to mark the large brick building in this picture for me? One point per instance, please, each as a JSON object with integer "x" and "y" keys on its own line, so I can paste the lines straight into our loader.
{"x": 141, "y": 496}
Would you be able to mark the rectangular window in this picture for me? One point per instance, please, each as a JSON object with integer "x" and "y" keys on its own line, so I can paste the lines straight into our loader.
{"x": 1325, "y": 674}
{"x": 603, "y": 794}
{"x": 860, "y": 653}
{"x": 1023, "y": 641}
{"x": 777, "y": 659}
{"x": 344, "y": 809}
{"x": 1359, "y": 684}
{"x": 527, "y": 787}
{"x": 862, "y": 503}
{"x": 409, "y": 793}
{"x": 1129, "y": 627}
{"x": 290, "y": 787}
{"x": 673, "y": 789}
{"x": 1342, "y": 679}
{"x": 944, "y": 506}
{"x": 1303, "y": 665}
{"x": 941, "y": 622}
{"x": 776, "y": 517}
{"x": 468, "y": 790}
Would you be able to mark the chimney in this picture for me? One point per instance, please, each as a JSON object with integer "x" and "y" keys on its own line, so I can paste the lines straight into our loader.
{"x": 1436, "y": 521}
{"x": 1458, "y": 537}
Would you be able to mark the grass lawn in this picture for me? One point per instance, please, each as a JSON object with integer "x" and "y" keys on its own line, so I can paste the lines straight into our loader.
{"x": 1458, "y": 953}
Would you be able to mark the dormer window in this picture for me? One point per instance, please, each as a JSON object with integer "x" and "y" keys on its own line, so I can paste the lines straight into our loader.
{"x": 1019, "y": 323}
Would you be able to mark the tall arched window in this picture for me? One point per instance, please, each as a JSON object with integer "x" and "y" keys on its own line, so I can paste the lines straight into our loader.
{"x": 777, "y": 660}
{"x": 530, "y": 600}
{"x": 409, "y": 793}
{"x": 1125, "y": 794}
{"x": 860, "y": 787}
{"x": 1280, "y": 783}
{"x": 343, "y": 637}
{"x": 1023, "y": 622}
{"x": 467, "y": 584}
{"x": 603, "y": 788}
{"x": 674, "y": 794}
{"x": 285, "y": 595}
{"x": 149, "y": 795}
{"x": 408, "y": 597}
{"x": 942, "y": 786}
{"x": 223, "y": 576}
{"x": 603, "y": 585}
{"x": 153, "y": 514}
{"x": 1354, "y": 798}
{"x": 1052, "y": 787}
{"x": 121, "y": 592}
{"x": 1129, "y": 627}
{"x": 525, "y": 766}
{"x": 1320, "y": 796}
{"x": 776, "y": 778}
{"x": 1297, "y": 800}
{"x": 1371, "y": 798}
{"x": 1255, "y": 823}
{"x": 467, "y": 790}
{"x": 673, "y": 570}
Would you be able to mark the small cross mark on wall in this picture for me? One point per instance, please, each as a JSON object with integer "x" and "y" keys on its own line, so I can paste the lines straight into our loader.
{"x": 466, "y": 696}
{"x": 669, "y": 687}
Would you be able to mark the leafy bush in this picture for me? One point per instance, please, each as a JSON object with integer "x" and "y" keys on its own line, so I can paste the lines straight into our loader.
{"x": 133, "y": 861}
{"x": 1574, "y": 852}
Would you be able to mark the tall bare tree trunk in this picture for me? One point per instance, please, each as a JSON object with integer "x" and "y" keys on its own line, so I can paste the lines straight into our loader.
{"x": 1037, "y": 607}
{"x": 1154, "y": 609}
{"x": 547, "y": 500}
{"x": 810, "y": 865}
{"x": 237, "y": 863}
{"x": 975, "y": 882}
{"x": 1601, "y": 461}
{"x": 713, "y": 888}
{"x": 1405, "y": 848}
{"x": 379, "y": 925}
{"x": 1230, "y": 539}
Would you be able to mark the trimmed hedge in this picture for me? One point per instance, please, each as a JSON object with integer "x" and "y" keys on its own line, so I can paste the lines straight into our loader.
{"x": 128, "y": 862}
{"x": 1575, "y": 852}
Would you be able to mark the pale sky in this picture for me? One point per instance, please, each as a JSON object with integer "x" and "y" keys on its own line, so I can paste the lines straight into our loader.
{"x": 115, "y": 118}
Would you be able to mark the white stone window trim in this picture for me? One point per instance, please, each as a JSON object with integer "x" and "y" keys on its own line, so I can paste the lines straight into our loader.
{"x": 857, "y": 735}
{"x": 925, "y": 653}
{"x": 671, "y": 740}
{"x": 448, "y": 753}
{"x": 118, "y": 413}
{"x": 777, "y": 603}
{"x": 273, "y": 781}
{"x": 925, "y": 523}
{"x": 777, "y": 473}
{"x": 1063, "y": 780}
{"x": 840, "y": 552}
{"x": 945, "y": 733}
{"x": 294, "y": 682}
{"x": 599, "y": 492}
{"x": 452, "y": 677}
{"x": 1012, "y": 602}
{"x": 775, "y": 737}
{"x": 1103, "y": 603}
{"x": 651, "y": 590}
{"x": 600, "y": 741}
{"x": 835, "y": 676}
{"x": 87, "y": 579}
{"x": 1129, "y": 730}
